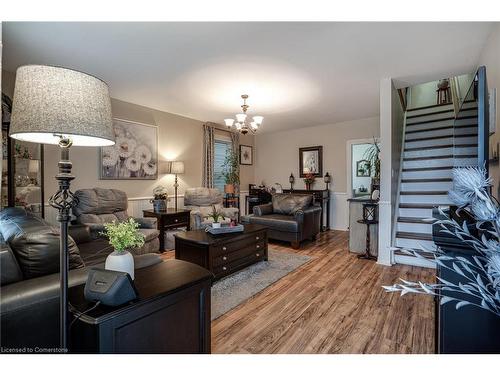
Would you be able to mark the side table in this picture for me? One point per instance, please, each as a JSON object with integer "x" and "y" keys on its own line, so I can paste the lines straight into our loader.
{"x": 171, "y": 315}
{"x": 169, "y": 219}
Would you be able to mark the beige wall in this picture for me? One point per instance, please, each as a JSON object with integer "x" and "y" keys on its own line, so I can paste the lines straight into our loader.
{"x": 277, "y": 155}
{"x": 178, "y": 137}
{"x": 490, "y": 57}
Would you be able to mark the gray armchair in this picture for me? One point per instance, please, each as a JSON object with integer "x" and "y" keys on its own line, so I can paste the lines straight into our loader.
{"x": 201, "y": 201}
{"x": 99, "y": 206}
{"x": 289, "y": 217}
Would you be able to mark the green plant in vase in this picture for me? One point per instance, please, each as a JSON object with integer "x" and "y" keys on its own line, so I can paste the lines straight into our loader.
{"x": 231, "y": 172}
{"x": 122, "y": 236}
{"x": 216, "y": 216}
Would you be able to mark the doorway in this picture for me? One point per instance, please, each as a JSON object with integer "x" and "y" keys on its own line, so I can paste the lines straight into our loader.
{"x": 359, "y": 168}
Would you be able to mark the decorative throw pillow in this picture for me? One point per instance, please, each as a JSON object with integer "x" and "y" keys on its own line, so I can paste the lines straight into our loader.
{"x": 289, "y": 204}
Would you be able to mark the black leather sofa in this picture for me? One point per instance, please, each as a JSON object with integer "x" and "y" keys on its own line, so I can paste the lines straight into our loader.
{"x": 29, "y": 260}
{"x": 289, "y": 217}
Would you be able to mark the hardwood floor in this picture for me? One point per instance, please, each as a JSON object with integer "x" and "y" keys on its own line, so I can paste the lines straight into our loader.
{"x": 332, "y": 304}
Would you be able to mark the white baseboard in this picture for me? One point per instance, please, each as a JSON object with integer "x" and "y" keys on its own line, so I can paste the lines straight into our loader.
{"x": 135, "y": 206}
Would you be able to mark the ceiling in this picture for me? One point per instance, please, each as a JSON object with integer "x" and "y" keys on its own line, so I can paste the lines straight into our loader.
{"x": 296, "y": 74}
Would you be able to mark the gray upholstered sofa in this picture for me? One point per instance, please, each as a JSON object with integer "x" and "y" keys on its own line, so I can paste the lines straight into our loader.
{"x": 289, "y": 217}
{"x": 99, "y": 206}
{"x": 200, "y": 201}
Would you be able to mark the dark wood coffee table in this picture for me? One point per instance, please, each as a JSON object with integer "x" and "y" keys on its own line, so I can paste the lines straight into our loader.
{"x": 225, "y": 253}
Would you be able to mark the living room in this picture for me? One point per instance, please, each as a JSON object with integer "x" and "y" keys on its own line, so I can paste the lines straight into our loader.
{"x": 238, "y": 188}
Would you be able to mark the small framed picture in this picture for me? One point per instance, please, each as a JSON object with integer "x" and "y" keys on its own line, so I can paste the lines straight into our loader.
{"x": 246, "y": 155}
{"x": 311, "y": 161}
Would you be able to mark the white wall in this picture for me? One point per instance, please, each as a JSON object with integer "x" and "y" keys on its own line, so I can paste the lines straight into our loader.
{"x": 490, "y": 57}
{"x": 423, "y": 95}
{"x": 391, "y": 138}
{"x": 1, "y": 134}
{"x": 277, "y": 155}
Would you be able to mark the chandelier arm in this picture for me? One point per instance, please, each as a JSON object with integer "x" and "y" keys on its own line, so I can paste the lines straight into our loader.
{"x": 244, "y": 126}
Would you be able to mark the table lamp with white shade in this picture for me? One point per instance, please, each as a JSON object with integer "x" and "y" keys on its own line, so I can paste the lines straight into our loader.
{"x": 55, "y": 105}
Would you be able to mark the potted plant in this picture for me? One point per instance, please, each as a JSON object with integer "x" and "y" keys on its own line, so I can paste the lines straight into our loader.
{"x": 122, "y": 236}
{"x": 230, "y": 172}
{"x": 160, "y": 198}
{"x": 215, "y": 216}
{"x": 372, "y": 155}
{"x": 309, "y": 180}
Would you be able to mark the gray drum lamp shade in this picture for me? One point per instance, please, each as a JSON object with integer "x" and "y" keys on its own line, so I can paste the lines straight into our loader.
{"x": 52, "y": 101}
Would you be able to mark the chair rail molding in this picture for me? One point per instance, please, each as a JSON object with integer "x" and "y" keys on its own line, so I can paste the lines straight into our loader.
{"x": 135, "y": 206}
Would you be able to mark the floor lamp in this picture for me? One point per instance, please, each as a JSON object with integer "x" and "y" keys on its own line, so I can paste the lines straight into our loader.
{"x": 176, "y": 168}
{"x": 60, "y": 106}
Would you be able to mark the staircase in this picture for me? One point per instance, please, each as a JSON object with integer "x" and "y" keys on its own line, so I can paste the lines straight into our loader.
{"x": 435, "y": 142}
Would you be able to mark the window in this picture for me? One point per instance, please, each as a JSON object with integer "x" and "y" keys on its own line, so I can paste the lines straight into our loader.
{"x": 221, "y": 147}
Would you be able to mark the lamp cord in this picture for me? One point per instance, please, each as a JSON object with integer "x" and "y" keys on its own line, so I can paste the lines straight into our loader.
{"x": 84, "y": 312}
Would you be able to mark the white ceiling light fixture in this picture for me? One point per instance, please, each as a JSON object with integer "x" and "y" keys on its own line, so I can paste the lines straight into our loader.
{"x": 241, "y": 124}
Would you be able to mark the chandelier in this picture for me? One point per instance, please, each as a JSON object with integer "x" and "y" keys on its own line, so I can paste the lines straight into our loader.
{"x": 241, "y": 123}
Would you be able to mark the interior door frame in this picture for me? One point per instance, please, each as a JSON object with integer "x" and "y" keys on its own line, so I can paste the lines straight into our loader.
{"x": 349, "y": 145}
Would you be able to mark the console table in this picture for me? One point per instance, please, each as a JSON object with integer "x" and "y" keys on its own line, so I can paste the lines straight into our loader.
{"x": 322, "y": 198}
{"x": 223, "y": 254}
{"x": 171, "y": 315}
{"x": 169, "y": 219}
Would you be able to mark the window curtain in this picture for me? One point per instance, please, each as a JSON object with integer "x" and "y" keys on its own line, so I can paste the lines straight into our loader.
{"x": 235, "y": 143}
{"x": 208, "y": 156}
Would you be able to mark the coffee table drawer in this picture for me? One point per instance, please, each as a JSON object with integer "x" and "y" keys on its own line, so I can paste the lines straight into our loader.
{"x": 241, "y": 253}
{"x": 225, "y": 269}
{"x": 244, "y": 242}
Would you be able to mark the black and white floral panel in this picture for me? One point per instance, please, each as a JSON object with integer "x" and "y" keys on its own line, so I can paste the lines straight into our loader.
{"x": 135, "y": 154}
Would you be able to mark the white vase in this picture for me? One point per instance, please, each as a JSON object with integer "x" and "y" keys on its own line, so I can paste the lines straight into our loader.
{"x": 121, "y": 261}
{"x": 215, "y": 225}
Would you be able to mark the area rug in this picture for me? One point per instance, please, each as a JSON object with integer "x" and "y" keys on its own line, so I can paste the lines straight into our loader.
{"x": 232, "y": 290}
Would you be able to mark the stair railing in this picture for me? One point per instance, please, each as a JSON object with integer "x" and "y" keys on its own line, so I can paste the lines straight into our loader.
{"x": 483, "y": 118}
{"x": 455, "y": 95}
{"x": 478, "y": 93}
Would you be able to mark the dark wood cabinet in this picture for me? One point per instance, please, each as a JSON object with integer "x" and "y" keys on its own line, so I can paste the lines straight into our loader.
{"x": 321, "y": 198}
{"x": 255, "y": 197}
{"x": 171, "y": 218}
{"x": 223, "y": 254}
{"x": 469, "y": 329}
{"x": 171, "y": 315}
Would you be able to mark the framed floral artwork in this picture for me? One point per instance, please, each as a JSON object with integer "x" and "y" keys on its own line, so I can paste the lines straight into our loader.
{"x": 311, "y": 161}
{"x": 135, "y": 154}
{"x": 246, "y": 156}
